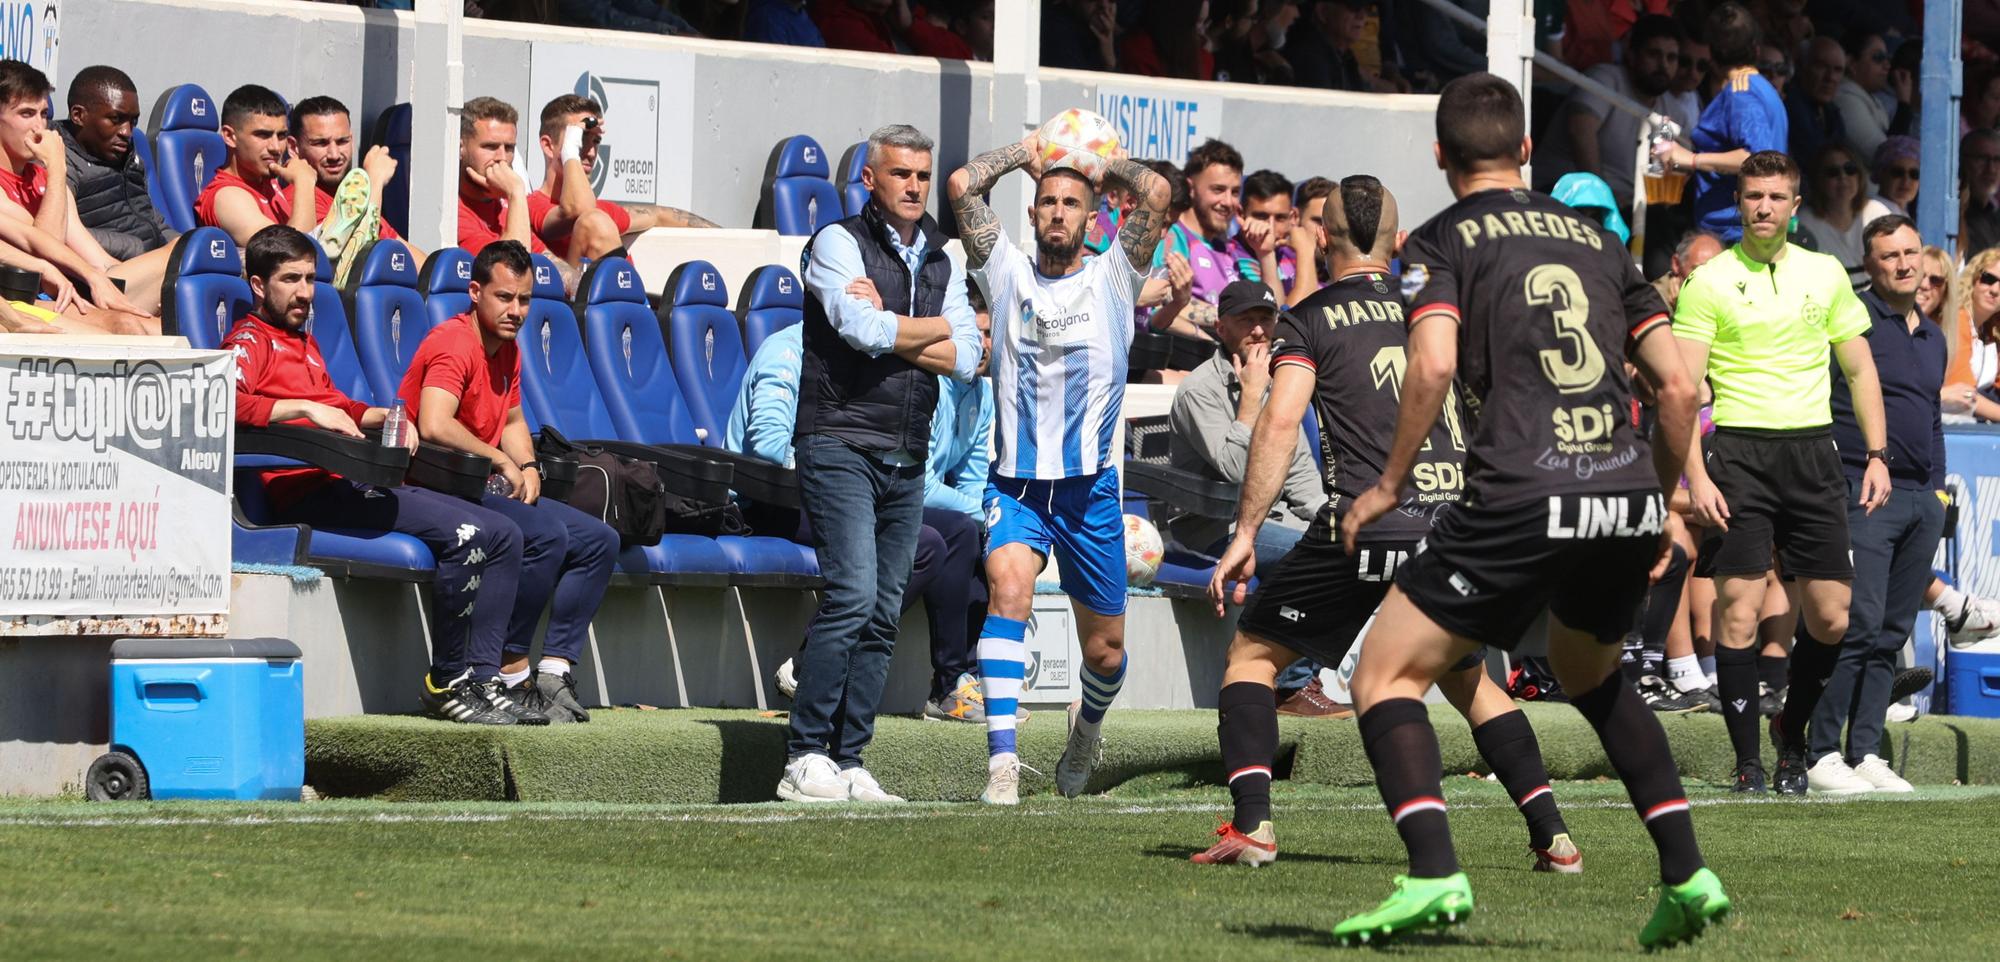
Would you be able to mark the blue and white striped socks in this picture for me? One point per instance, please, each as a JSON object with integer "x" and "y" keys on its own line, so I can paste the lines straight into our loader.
{"x": 1098, "y": 692}
{"x": 1003, "y": 662}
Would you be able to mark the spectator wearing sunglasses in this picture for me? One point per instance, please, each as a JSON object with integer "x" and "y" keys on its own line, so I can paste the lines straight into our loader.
{"x": 1862, "y": 94}
{"x": 1775, "y": 66}
{"x": 1896, "y": 168}
{"x": 1975, "y": 361}
{"x": 1831, "y": 215}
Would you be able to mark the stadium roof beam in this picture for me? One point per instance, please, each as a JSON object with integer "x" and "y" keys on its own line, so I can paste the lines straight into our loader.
{"x": 1940, "y": 85}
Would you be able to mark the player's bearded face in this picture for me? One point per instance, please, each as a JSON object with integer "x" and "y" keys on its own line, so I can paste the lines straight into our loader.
{"x": 286, "y": 296}
{"x": 1063, "y": 207}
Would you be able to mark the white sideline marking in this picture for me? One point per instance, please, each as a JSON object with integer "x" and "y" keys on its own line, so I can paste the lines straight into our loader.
{"x": 871, "y": 814}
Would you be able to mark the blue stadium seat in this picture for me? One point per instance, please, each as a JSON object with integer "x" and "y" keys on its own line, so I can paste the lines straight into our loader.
{"x": 853, "y": 194}
{"x": 797, "y": 198}
{"x": 206, "y": 292}
{"x": 557, "y": 389}
{"x": 187, "y": 149}
{"x": 705, "y": 345}
{"x": 443, "y": 282}
{"x": 392, "y": 130}
{"x": 387, "y": 315}
{"x": 328, "y": 325}
{"x": 143, "y": 146}
{"x": 628, "y": 358}
{"x": 772, "y": 299}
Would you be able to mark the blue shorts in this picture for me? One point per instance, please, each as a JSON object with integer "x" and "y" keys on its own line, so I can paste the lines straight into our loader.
{"x": 1079, "y": 520}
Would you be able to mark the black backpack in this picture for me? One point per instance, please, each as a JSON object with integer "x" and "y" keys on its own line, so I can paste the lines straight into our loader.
{"x": 627, "y": 494}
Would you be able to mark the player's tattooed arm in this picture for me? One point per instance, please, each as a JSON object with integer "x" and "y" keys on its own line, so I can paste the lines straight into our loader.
{"x": 978, "y": 225}
{"x": 1139, "y": 235}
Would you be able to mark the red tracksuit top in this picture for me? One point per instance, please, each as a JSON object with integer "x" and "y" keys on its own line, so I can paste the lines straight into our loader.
{"x": 274, "y": 364}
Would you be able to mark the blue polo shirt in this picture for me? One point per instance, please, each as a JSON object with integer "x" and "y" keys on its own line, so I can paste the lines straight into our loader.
{"x": 1747, "y": 113}
{"x": 1910, "y": 365}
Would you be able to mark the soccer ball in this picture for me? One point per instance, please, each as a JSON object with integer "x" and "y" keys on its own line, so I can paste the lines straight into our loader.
{"x": 1143, "y": 551}
{"x": 1080, "y": 140}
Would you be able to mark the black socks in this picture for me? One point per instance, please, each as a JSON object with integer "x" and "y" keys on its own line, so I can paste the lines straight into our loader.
{"x": 1248, "y": 730}
{"x": 1736, "y": 682}
{"x": 1403, "y": 748}
{"x": 1637, "y": 747}
{"x": 1509, "y": 747}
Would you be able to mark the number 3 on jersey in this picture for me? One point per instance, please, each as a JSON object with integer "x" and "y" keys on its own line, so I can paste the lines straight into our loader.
{"x": 1388, "y": 367}
{"x": 1557, "y": 287}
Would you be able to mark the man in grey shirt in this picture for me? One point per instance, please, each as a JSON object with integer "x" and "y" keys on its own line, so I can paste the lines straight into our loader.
{"x": 1213, "y": 412}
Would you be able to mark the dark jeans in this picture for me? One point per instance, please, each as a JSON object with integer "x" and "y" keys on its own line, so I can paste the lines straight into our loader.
{"x": 948, "y": 575}
{"x": 1892, "y": 566}
{"x": 478, "y": 556}
{"x": 864, "y": 517}
{"x": 566, "y": 556}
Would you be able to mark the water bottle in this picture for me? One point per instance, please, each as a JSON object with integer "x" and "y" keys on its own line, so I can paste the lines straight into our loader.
{"x": 395, "y": 427}
{"x": 497, "y": 483}
{"x": 1663, "y": 134}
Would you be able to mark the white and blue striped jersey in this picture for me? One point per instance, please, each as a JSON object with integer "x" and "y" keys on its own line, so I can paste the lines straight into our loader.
{"x": 1060, "y": 349}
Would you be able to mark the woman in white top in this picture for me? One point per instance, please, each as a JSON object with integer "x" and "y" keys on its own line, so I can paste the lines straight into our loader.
{"x": 1895, "y": 169}
{"x": 1832, "y": 211}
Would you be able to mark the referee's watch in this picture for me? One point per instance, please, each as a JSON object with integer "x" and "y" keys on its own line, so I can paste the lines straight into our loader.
{"x": 1879, "y": 454}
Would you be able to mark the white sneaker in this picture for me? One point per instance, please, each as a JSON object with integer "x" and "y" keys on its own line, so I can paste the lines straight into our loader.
{"x": 1079, "y": 758}
{"x": 1877, "y": 772}
{"x": 1977, "y": 620}
{"x": 862, "y": 787}
{"x": 1831, "y": 776}
{"x": 788, "y": 680}
{"x": 813, "y": 777}
{"x": 1003, "y": 780}
{"x": 1900, "y": 712}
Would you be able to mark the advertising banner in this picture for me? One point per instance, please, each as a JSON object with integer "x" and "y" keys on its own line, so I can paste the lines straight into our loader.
{"x": 1157, "y": 125}
{"x": 645, "y": 156}
{"x": 115, "y": 480}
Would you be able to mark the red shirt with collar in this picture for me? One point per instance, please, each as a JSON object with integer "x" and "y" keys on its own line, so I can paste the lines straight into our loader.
{"x": 281, "y": 206}
{"x": 539, "y": 205}
{"x": 452, "y": 358}
{"x": 481, "y": 219}
{"x": 846, "y": 28}
{"x": 275, "y": 364}
{"x": 26, "y": 189}
{"x": 265, "y": 193}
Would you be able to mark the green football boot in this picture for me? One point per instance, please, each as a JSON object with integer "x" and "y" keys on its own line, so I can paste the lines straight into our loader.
{"x": 1685, "y": 910}
{"x": 1418, "y": 903}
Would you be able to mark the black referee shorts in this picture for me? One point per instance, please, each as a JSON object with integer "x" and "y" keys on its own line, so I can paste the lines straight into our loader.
{"x": 1486, "y": 573}
{"x": 1786, "y": 493}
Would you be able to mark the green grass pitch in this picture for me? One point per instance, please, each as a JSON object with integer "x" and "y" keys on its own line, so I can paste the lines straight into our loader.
{"x": 1097, "y": 878}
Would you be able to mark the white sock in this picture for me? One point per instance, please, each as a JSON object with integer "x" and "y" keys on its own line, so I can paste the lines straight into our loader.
{"x": 1948, "y": 602}
{"x": 1685, "y": 672}
{"x": 512, "y": 678}
{"x": 552, "y": 666}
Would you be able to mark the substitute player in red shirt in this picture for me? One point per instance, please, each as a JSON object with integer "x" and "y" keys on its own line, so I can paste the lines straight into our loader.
{"x": 39, "y": 229}
{"x": 281, "y": 378}
{"x": 243, "y": 197}
{"x": 564, "y": 212}
{"x": 321, "y": 131}
{"x": 463, "y": 390}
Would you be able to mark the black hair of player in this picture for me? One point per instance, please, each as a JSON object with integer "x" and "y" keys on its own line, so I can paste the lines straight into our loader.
{"x": 1480, "y": 121}
{"x": 1769, "y": 163}
{"x": 1733, "y": 37}
{"x": 19, "y": 82}
{"x": 1212, "y": 153}
{"x": 1090, "y": 191}
{"x": 321, "y": 106}
{"x": 99, "y": 84}
{"x": 1266, "y": 184}
{"x": 1883, "y": 226}
{"x": 508, "y": 254}
{"x": 274, "y": 247}
{"x": 248, "y": 100}
{"x": 1361, "y": 201}
{"x": 1311, "y": 189}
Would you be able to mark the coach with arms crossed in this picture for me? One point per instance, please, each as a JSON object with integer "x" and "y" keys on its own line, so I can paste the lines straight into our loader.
{"x": 867, "y": 390}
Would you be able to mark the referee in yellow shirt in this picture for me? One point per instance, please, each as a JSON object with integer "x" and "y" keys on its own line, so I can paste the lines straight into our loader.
{"x": 1757, "y": 320}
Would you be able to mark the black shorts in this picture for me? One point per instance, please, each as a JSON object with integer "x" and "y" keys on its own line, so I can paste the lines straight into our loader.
{"x": 1319, "y": 597}
{"x": 1486, "y": 573}
{"x": 1786, "y": 492}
